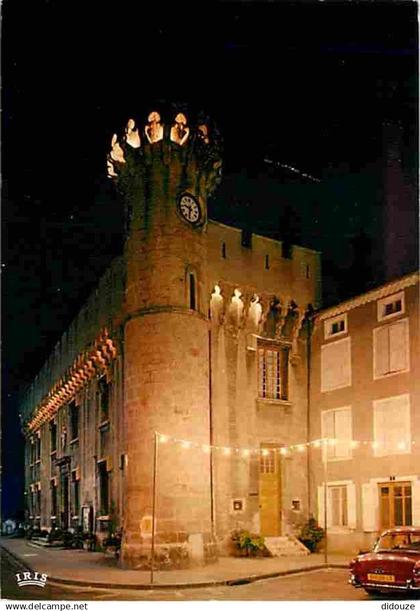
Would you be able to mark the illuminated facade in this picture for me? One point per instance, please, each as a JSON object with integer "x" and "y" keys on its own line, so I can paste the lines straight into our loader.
{"x": 177, "y": 392}
{"x": 365, "y": 396}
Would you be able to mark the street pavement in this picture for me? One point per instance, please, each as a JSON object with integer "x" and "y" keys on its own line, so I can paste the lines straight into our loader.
{"x": 82, "y": 568}
{"x": 329, "y": 584}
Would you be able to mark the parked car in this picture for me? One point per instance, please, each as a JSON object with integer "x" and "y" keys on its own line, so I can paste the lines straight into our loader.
{"x": 393, "y": 564}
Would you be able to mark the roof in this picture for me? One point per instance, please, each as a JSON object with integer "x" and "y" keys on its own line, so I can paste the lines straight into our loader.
{"x": 373, "y": 295}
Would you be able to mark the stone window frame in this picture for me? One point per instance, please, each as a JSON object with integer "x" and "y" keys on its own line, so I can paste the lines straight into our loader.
{"x": 283, "y": 349}
{"x": 390, "y": 299}
{"x": 329, "y": 324}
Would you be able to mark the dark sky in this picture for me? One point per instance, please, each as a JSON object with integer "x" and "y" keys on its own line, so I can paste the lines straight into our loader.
{"x": 308, "y": 85}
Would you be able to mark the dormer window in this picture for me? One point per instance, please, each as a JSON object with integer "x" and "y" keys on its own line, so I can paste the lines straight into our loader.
{"x": 335, "y": 326}
{"x": 391, "y": 306}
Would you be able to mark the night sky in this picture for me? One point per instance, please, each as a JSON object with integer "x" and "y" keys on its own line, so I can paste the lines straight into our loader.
{"x": 305, "y": 85}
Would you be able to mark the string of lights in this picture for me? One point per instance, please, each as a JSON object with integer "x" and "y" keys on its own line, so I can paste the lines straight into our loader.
{"x": 325, "y": 442}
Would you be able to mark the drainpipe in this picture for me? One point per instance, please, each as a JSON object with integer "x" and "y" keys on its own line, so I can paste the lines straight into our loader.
{"x": 308, "y": 405}
{"x": 212, "y": 516}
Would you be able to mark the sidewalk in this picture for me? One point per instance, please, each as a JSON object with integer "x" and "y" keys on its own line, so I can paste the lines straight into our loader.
{"x": 82, "y": 568}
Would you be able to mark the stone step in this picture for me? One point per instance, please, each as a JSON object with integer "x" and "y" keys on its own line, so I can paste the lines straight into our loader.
{"x": 286, "y": 545}
{"x": 42, "y": 542}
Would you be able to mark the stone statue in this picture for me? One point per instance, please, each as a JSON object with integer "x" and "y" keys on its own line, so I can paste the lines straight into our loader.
{"x": 203, "y": 133}
{"x": 132, "y": 136}
{"x": 154, "y": 128}
{"x": 180, "y": 131}
{"x": 117, "y": 154}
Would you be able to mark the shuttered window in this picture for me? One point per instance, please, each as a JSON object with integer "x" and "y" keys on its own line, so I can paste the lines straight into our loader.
{"x": 391, "y": 425}
{"x": 391, "y": 349}
{"x": 336, "y": 365}
{"x": 337, "y": 428}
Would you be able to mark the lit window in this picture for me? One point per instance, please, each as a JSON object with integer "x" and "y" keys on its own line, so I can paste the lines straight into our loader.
{"x": 391, "y": 425}
{"x": 337, "y": 429}
{"x": 268, "y": 461}
{"x": 391, "y": 306}
{"x": 272, "y": 372}
{"x": 335, "y": 326}
{"x": 390, "y": 349}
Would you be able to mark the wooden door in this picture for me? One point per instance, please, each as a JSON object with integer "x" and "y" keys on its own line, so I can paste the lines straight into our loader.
{"x": 270, "y": 492}
{"x": 395, "y": 504}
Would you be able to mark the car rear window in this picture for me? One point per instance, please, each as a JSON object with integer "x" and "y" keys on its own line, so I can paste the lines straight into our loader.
{"x": 398, "y": 541}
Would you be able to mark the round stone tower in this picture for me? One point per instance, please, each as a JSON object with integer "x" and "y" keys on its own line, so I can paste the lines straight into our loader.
{"x": 166, "y": 172}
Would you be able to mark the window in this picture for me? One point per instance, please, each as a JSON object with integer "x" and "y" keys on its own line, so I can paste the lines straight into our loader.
{"x": 335, "y": 326}
{"x": 103, "y": 487}
{"x": 53, "y": 436}
{"x": 391, "y": 349}
{"x": 391, "y": 306}
{"x": 104, "y": 397}
{"x": 76, "y": 492}
{"x": 268, "y": 461}
{"x": 193, "y": 298}
{"x": 223, "y": 250}
{"x": 338, "y": 502}
{"x": 54, "y": 505}
{"x": 246, "y": 238}
{"x": 336, "y": 426}
{"x": 341, "y": 511}
{"x": 395, "y": 504}
{"x": 273, "y": 372}
{"x": 74, "y": 420}
{"x": 336, "y": 365}
{"x": 391, "y": 425}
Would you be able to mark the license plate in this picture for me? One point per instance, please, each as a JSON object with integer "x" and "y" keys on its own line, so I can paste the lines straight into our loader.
{"x": 383, "y": 578}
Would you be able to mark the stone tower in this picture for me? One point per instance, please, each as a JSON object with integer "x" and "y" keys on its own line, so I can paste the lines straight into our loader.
{"x": 165, "y": 173}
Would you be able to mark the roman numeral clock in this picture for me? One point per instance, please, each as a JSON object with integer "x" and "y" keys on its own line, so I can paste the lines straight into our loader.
{"x": 189, "y": 209}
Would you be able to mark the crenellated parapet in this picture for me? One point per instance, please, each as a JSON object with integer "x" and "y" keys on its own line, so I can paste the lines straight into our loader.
{"x": 194, "y": 151}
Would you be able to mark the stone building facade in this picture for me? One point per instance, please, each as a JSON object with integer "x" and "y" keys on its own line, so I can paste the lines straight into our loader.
{"x": 365, "y": 395}
{"x": 175, "y": 396}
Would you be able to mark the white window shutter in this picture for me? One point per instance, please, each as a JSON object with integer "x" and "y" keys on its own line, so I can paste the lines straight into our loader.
{"x": 415, "y": 502}
{"x": 398, "y": 346}
{"x": 321, "y": 506}
{"x": 336, "y": 365}
{"x": 343, "y": 432}
{"x": 381, "y": 338}
{"x": 369, "y": 507}
{"x": 351, "y": 505}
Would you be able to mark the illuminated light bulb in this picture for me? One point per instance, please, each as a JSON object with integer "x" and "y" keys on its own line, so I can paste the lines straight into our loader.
{"x": 375, "y": 444}
{"x": 186, "y": 444}
{"x": 317, "y": 443}
{"x": 300, "y": 448}
{"x": 354, "y": 444}
{"x": 332, "y": 442}
{"x": 264, "y": 452}
{"x": 245, "y": 452}
{"x": 401, "y": 445}
{"x": 283, "y": 451}
{"x": 163, "y": 438}
{"x": 226, "y": 451}
{"x": 206, "y": 449}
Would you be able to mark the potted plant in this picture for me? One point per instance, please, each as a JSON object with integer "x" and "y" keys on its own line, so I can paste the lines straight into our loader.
{"x": 311, "y": 534}
{"x": 247, "y": 543}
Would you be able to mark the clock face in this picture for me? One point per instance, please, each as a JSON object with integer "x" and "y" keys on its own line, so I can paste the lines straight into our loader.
{"x": 189, "y": 208}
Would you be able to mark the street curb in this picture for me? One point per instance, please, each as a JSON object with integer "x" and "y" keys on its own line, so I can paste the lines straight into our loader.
{"x": 238, "y": 581}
